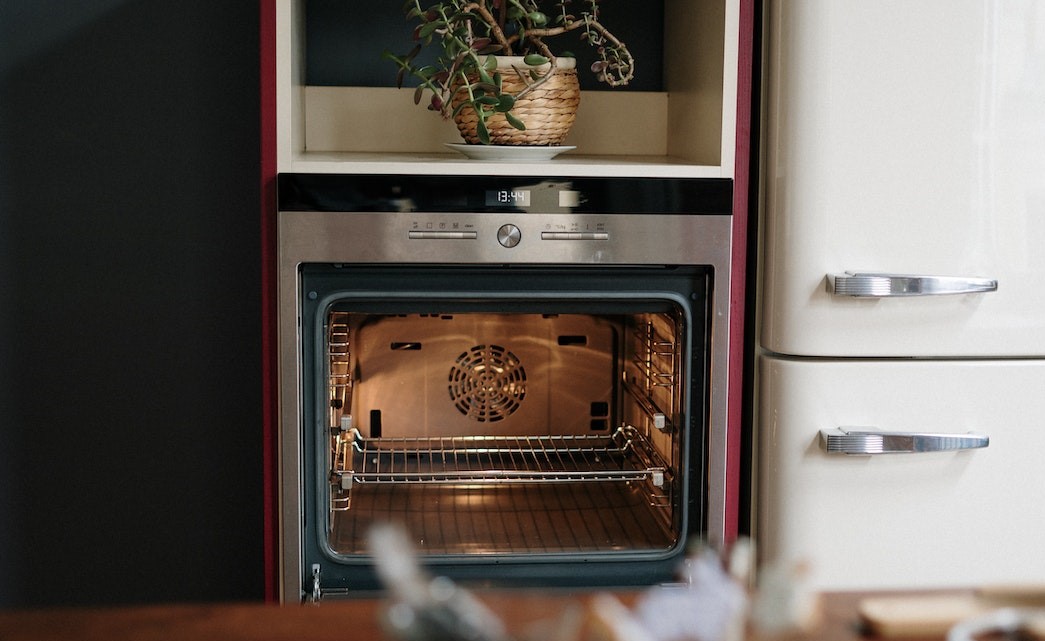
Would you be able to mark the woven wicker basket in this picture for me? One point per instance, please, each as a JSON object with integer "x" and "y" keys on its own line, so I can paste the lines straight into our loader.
{"x": 547, "y": 111}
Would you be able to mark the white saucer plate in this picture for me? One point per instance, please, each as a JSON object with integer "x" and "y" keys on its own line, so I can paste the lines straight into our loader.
{"x": 510, "y": 153}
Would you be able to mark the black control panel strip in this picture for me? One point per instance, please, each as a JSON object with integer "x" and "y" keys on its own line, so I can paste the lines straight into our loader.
{"x": 479, "y": 194}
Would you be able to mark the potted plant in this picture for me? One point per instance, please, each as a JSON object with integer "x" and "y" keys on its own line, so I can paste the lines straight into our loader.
{"x": 494, "y": 72}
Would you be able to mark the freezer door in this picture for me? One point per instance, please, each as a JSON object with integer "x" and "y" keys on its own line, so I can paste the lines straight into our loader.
{"x": 905, "y": 205}
{"x": 971, "y": 513}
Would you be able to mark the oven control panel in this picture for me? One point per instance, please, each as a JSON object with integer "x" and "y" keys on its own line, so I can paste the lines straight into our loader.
{"x": 442, "y": 235}
{"x": 509, "y": 238}
{"x": 574, "y": 235}
{"x": 506, "y": 219}
{"x": 541, "y": 238}
{"x": 511, "y": 234}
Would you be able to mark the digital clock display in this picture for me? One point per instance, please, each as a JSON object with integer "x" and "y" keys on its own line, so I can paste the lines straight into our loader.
{"x": 508, "y": 198}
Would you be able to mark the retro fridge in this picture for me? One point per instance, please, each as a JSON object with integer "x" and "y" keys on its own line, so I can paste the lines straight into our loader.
{"x": 901, "y": 369}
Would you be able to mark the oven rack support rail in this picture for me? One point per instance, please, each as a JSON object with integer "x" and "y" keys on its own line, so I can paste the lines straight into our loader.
{"x": 656, "y": 364}
{"x": 624, "y": 455}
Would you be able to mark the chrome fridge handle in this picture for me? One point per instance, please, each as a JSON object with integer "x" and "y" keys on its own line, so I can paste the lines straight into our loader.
{"x": 879, "y": 285}
{"x": 855, "y": 440}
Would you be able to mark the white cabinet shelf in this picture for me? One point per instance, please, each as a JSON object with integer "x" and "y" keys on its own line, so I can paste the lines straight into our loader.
{"x": 688, "y": 130}
{"x": 456, "y": 164}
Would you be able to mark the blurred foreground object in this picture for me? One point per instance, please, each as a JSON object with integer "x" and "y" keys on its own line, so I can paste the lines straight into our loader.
{"x": 711, "y": 602}
{"x": 423, "y": 608}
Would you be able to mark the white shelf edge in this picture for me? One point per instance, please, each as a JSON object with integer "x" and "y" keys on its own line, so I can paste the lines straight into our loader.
{"x": 454, "y": 164}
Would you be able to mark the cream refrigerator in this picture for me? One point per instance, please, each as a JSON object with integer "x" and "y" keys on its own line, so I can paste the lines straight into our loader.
{"x": 900, "y": 435}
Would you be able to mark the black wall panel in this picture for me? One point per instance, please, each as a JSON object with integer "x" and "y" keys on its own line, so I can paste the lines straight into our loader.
{"x": 345, "y": 40}
{"x": 130, "y": 403}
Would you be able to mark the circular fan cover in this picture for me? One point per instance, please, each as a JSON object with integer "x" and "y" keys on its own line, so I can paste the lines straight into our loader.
{"x": 487, "y": 383}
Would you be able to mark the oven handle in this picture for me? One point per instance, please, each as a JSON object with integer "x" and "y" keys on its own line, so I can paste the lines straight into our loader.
{"x": 863, "y": 441}
{"x": 879, "y": 285}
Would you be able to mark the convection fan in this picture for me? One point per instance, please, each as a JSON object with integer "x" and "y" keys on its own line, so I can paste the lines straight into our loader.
{"x": 487, "y": 383}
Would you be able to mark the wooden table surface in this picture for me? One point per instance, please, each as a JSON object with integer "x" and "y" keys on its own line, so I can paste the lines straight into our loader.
{"x": 346, "y": 620}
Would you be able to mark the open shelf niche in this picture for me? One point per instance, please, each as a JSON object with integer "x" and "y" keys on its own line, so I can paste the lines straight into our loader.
{"x": 686, "y": 130}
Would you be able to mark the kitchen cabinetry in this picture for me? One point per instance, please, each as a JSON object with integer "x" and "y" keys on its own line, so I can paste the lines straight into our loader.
{"x": 696, "y": 127}
{"x": 687, "y": 130}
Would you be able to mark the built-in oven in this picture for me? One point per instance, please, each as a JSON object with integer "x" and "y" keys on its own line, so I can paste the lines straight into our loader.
{"x": 527, "y": 375}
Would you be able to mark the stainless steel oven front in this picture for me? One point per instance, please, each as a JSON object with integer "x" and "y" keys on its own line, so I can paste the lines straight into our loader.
{"x": 526, "y": 374}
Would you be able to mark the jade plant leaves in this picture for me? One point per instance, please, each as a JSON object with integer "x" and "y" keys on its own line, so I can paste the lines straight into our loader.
{"x": 466, "y": 34}
{"x": 515, "y": 122}
{"x": 535, "y": 60}
{"x": 505, "y": 102}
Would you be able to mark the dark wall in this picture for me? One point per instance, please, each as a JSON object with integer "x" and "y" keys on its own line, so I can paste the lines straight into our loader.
{"x": 130, "y": 404}
{"x": 346, "y": 39}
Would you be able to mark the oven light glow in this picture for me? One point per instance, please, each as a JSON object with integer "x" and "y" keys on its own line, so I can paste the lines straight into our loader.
{"x": 474, "y": 495}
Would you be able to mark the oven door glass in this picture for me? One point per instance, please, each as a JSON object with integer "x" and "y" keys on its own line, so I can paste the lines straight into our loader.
{"x": 517, "y": 413}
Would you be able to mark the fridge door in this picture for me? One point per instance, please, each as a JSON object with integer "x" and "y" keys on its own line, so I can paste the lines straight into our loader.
{"x": 904, "y": 159}
{"x": 958, "y": 517}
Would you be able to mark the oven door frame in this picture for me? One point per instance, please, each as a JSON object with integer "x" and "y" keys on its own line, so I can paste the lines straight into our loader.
{"x": 530, "y": 289}
{"x": 380, "y": 239}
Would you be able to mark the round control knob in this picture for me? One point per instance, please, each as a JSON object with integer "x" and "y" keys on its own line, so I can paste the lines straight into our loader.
{"x": 509, "y": 235}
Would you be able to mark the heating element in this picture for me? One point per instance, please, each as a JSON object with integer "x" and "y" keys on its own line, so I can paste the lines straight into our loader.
{"x": 534, "y": 392}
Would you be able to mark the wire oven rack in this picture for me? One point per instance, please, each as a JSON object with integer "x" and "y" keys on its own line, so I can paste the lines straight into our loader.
{"x": 624, "y": 455}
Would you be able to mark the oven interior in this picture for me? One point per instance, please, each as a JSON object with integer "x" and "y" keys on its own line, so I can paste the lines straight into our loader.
{"x": 510, "y": 413}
